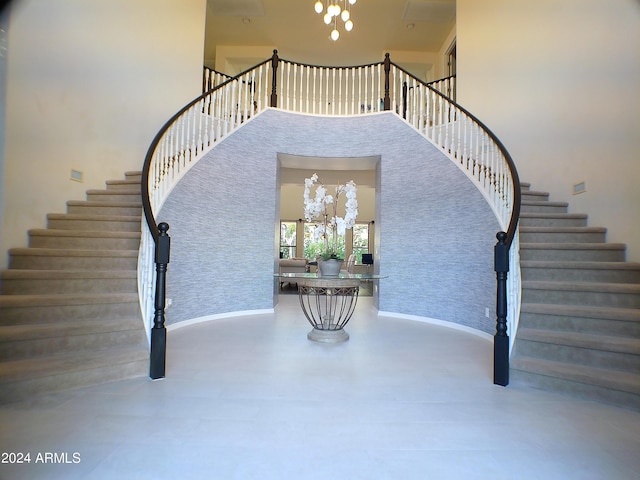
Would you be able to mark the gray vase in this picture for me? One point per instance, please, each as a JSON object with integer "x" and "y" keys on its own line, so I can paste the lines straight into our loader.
{"x": 329, "y": 268}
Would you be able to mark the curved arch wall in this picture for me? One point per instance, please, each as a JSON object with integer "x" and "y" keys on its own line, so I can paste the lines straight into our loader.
{"x": 435, "y": 232}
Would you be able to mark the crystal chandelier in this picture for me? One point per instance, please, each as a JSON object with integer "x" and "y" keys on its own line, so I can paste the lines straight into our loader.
{"x": 333, "y": 10}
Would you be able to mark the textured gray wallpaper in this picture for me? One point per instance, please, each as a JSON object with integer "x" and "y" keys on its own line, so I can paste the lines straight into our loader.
{"x": 434, "y": 230}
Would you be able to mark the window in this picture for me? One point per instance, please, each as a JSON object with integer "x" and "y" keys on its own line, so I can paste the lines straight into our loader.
{"x": 360, "y": 243}
{"x": 313, "y": 248}
{"x": 288, "y": 232}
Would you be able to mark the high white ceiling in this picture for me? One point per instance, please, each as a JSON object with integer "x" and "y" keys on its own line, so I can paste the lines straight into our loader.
{"x": 300, "y": 35}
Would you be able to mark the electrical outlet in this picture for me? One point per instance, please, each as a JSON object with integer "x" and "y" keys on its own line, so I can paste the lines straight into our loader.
{"x": 486, "y": 312}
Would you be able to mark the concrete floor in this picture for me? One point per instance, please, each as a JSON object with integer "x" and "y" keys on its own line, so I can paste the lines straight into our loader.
{"x": 252, "y": 398}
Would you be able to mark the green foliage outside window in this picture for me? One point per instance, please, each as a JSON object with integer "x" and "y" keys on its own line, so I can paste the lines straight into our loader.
{"x": 360, "y": 240}
{"x": 288, "y": 239}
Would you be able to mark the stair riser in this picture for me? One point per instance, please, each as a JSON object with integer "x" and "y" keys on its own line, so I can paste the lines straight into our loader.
{"x": 580, "y": 324}
{"x": 23, "y": 390}
{"x": 104, "y": 210}
{"x": 551, "y": 208}
{"x": 572, "y": 255}
{"x": 68, "y": 286}
{"x": 18, "y": 350}
{"x": 29, "y": 314}
{"x": 580, "y": 275}
{"x": 133, "y": 177}
{"x": 113, "y": 196}
{"x": 124, "y": 186}
{"x": 95, "y": 225}
{"x": 562, "y": 237}
{"x": 564, "y": 297}
{"x": 552, "y": 222}
{"x": 50, "y": 262}
{"x": 84, "y": 243}
{"x": 574, "y": 389}
{"x": 625, "y": 362}
{"x": 534, "y": 197}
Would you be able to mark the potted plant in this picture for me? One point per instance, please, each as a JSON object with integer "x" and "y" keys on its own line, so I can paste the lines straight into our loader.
{"x": 324, "y": 208}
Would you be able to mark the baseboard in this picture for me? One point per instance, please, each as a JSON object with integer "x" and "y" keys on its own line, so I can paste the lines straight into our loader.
{"x": 218, "y": 316}
{"x": 435, "y": 321}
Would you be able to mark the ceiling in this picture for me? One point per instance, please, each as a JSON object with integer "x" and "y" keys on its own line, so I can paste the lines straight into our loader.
{"x": 300, "y": 35}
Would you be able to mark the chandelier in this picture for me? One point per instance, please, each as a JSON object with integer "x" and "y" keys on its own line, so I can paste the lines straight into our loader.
{"x": 335, "y": 9}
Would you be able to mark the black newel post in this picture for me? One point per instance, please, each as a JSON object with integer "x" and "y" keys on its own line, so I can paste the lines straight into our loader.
{"x": 501, "y": 339}
{"x": 159, "y": 332}
{"x": 404, "y": 100}
{"x": 387, "y": 69}
{"x": 274, "y": 66}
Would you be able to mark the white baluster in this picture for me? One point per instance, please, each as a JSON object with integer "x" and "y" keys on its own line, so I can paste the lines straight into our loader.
{"x": 327, "y": 100}
{"x": 359, "y": 96}
{"x": 339, "y": 91}
{"x": 365, "y": 98}
{"x": 246, "y": 88}
{"x": 306, "y": 108}
{"x": 294, "y": 82}
{"x": 314, "y": 74}
{"x": 334, "y": 92}
{"x": 380, "y": 91}
{"x": 321, "y": 100}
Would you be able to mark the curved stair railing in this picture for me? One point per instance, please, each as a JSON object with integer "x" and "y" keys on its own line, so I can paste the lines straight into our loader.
{"x": 212, "y": 78}
{"x": 181, "y": 142}
{"x": 485, "y": 160}
{"x": 367, "y": 89}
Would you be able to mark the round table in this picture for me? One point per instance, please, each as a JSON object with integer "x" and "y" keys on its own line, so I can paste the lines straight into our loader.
{"x": 328, "y": 303}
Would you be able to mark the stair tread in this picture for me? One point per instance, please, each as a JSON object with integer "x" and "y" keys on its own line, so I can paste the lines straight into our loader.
{"x": 541, "y": 229}
{"x": 26, "y": 369}
{"x": 105, "y": 203}
{"x": 89, "y": 216}
{"x": 607, "y": 378}
{"x": 545, "y": 203}
{"x": 104, "y": 191}
{"x": 82, "y": 233}
{"x": 121, "y": 181}
{"x": 630, "y": 288}
{"x": 609, "y": 343}
{"x": 539, "y": 193}
{"x": 71, "y": 252}
{"x": 552, "y": 215}
{"x": 578, "y": 264}
{"x": 10, "y": 333}
{"x": 573, "y": 246}
{"x": 66, "y": 299}
{"x": 611, "y": 313}
{"x": 19, "y": 274}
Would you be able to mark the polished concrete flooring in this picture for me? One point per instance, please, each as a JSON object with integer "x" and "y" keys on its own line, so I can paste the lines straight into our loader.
{"x": 252, "y": 398}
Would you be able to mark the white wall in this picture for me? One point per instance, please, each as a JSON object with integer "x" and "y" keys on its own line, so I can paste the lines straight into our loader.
{"x": 557, "y": 81}
{"x": 88, "y": 86}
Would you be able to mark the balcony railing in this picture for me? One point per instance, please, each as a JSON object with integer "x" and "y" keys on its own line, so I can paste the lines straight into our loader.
{"x": 332, "y": 91}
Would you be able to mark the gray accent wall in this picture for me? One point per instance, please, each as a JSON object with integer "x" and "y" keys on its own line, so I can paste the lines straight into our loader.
{"x": 434, "y": 230}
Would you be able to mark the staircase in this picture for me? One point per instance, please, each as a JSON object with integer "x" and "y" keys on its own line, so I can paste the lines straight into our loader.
{"x": 69, "y": 309}
{"x": 579, "y": 330}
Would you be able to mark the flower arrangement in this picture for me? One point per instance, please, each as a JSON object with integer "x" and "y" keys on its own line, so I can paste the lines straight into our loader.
{"x": 325, "y": 207}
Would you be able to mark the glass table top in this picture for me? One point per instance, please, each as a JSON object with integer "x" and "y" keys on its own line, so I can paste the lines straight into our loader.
{"x": 344, "y": 276}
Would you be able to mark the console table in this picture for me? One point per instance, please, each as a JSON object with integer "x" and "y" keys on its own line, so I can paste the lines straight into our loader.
{"x": 328, "y": 302}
